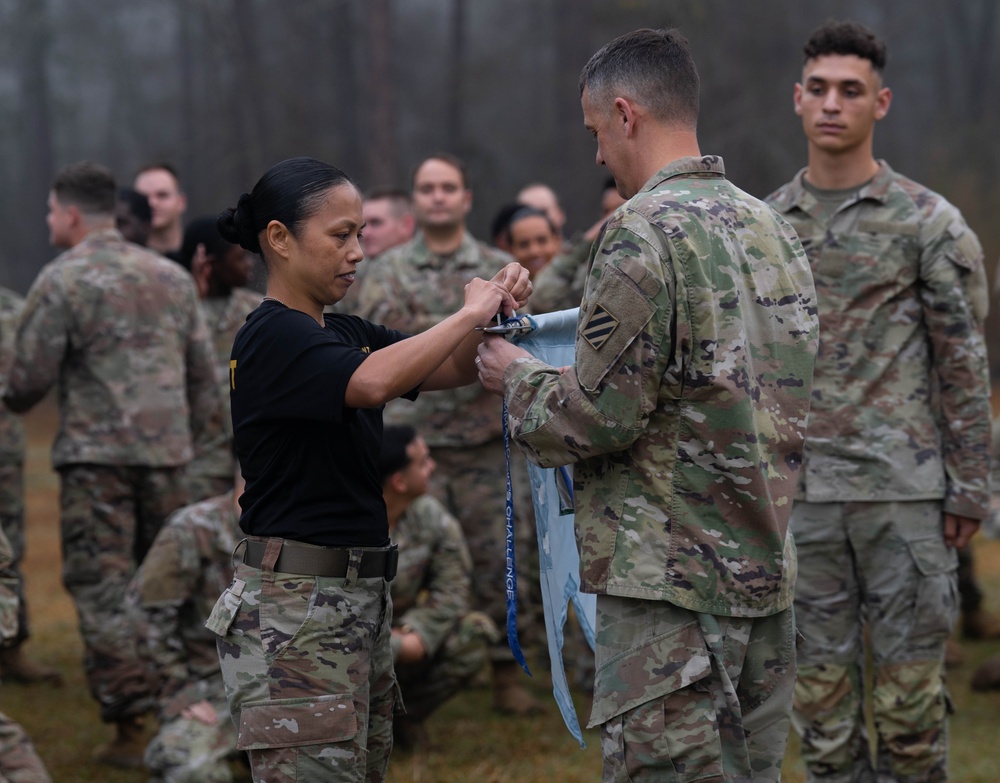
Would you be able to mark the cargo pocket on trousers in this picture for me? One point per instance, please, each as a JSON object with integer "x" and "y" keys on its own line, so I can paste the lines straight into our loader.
{"x": 646, "y": 729}
{"x": 936, "y": 606}
{"x": 317, "y": 735}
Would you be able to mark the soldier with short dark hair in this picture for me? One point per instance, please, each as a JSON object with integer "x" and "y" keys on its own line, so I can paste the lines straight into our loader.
{"x": 438, "y": 644}
{"x": 683, "y": 415}
{"x": 895, "y": 472}
{"x": 160, "y": 183}
{"x": 419, "y": 283}
{"x": 133, "y": 216}
{"x": 117, "y": 329}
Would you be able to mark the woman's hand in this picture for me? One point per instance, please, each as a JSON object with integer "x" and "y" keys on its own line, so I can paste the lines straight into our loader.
{"x": 486, "y": 298}
{"x": 517, "y": 281}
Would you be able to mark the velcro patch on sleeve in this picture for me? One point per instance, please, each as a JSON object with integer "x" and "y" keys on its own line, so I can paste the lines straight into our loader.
{"x": 599, "y": 328}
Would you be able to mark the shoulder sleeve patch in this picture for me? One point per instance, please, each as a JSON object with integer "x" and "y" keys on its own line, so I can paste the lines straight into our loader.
{"x": 599, "y": 327}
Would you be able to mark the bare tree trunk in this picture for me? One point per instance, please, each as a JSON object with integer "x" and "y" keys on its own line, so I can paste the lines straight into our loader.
{"x": 455, "y": 104}
{"x": 383, "y": 151}
{"x": 572, "y": 25}
{"x": 253, "y": 116}
{"x": 347, "y": 118}
{"x": 36, "y": 137}
{"x": 187, "y": 53}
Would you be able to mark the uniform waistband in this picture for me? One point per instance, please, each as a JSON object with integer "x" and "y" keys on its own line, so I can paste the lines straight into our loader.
{"x": 311, "y": 560}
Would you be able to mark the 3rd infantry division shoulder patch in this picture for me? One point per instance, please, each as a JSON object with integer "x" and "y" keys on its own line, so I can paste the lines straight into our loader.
{"x": 599, "y": 328}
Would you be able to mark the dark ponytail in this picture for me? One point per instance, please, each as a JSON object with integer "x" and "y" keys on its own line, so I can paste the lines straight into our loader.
{"x": 289, "y": 192}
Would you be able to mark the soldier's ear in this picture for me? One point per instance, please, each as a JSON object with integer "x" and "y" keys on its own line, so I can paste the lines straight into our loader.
{"x": 278, "y": 237}
{"x": 398, "y": 483}
{"x": 882, "y": 102}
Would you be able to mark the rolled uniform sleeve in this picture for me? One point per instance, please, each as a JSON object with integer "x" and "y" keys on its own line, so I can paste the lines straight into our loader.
{"x": 953, "y": 294}
{"x": 623, "y": 346}
{"x": 41, "y": 343}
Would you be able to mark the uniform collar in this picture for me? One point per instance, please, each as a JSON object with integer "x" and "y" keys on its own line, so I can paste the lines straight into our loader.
{"x": 683, "y": 167}
{"x": 795, "y": 194}
{"x": 463, "y": 255}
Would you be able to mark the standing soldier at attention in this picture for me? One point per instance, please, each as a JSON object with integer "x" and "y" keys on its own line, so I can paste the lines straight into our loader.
{"x": 418, "y": 284}
{"x": 14, "y": 665}
{"x": 895, "y": 473}
{"x": 684, "y": 417}
{"x": 117, "y": 329}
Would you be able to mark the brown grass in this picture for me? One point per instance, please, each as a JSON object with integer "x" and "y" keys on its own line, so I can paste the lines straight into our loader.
{"x": 468, "y": 741}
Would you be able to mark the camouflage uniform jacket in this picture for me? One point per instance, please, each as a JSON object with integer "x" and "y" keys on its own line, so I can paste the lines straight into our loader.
{"x": 685, "y": 410}
{"x": 186, "y": 570}
{"x": 900, "y": 406}
{"x": 118, "y": 327}
{"x": 561, "y": 282}
{"x": 414, "y": 290}
{"x": 224, "y": 315}
{"x": 432, "y": 588}
{"x": 12, "y": 443}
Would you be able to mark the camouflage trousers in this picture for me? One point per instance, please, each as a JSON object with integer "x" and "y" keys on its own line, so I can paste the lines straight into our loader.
{"x": 186, "y": 750}
{"x": 682, "y": 696}
{"x": 880, "y": 568}
{"x": 110, "y": 516}
{"x": 429, "y": 684}
{"x": 471, "y": 482}
{"x": 12, "y": 524}
{"x": 19, "y": 763}
{"x": 308, "y": 671}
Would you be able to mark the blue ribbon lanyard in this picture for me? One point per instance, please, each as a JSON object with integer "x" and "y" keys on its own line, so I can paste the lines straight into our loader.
{"x": 510, "y": 582}
{"x": 512, "y": 325}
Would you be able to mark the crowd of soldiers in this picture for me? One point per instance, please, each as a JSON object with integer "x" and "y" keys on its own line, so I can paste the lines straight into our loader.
{"x": 134, "y": 323}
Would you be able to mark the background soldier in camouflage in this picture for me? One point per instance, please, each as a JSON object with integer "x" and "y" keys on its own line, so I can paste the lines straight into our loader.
{"x": 19, "y": 763}
{"x": 118, "y": 329}
{"x": 437, "y": 643}
{"x": 560, "y": 285}
{"x": 13, "y": 664}
{"x": 159, "y": 183}
{"x": 897, "y": 452}
{"x": 185, "y": 571}
{"x": 684, "y": 415}
{"x": 221, "y": 271}
{"x": 418, "y": 285}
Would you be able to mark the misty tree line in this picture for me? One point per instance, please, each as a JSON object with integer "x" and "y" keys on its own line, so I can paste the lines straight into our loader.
{"x": 225, "y": 88}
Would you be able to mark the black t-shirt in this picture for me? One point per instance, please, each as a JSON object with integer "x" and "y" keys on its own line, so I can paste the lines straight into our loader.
{"x": 310, "y": 463}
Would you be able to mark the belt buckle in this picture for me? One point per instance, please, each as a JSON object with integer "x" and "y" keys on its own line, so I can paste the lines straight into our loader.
{"x": 391, "y": 562}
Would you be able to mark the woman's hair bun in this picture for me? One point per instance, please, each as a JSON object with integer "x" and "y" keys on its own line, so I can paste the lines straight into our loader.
{"x": 237, "y": 225}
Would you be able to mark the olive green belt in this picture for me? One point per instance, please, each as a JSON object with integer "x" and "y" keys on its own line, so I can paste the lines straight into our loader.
{"x": 310, "y": 560}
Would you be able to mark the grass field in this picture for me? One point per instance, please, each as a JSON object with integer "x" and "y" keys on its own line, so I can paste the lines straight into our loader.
{"x": 469, "y": 742}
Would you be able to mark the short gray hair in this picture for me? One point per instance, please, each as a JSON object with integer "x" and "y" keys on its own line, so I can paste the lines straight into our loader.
{"x": 653, "y": 68}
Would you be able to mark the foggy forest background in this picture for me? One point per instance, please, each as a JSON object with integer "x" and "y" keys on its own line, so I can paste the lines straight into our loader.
{"x": 225, "y": 88}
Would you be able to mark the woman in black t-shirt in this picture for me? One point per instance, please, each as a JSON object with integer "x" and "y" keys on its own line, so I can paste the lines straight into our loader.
{"x": 304, "y": 628}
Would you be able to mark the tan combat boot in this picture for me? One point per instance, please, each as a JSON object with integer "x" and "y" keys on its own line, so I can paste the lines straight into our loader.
{"x": 509, "y": 694}
{"x": 127, "y": 748}
{"x": 14, "y": 667}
